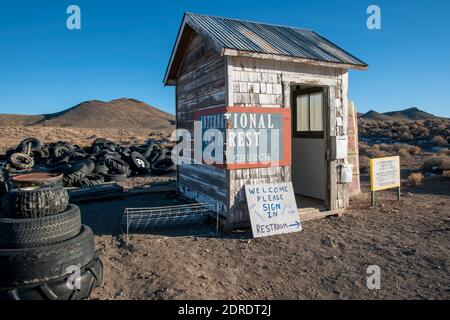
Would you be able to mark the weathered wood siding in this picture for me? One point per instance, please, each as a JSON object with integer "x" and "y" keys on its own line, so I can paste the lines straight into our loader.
{"x": 201, "y": 85}
{"x": 265, "y": 83}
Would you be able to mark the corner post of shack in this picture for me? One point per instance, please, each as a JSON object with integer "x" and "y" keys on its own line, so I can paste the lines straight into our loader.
{"x": 248, "y": 70}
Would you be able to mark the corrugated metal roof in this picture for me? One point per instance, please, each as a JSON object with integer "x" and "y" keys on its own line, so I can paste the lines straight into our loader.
{"x": 251, "y": 37}
{"x": 273, "y": 39}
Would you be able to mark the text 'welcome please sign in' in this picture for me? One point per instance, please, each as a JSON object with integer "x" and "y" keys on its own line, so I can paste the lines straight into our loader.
{"x": 272, "y": 209}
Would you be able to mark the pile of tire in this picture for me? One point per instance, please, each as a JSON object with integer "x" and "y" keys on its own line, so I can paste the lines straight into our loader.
{"x": 45, "y": 251}
{"x": 4, "y": 180}
{"x": 101, "y": 162}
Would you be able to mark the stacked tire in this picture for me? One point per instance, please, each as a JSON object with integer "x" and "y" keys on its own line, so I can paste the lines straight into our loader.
{"x": 45, "y": 251}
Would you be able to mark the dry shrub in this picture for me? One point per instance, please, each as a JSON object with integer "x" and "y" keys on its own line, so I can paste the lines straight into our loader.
{"x": 371, "y": 151}
{"x": 446, "y": 173}
{"x": 412, "y": 150}
{"x": 416, "y": 178}
{"x": 404, "y": 154}
{"x": 377, "y": 154}
{"x": 407, "y": 131}
{"x": 444, "y": 152}
{"x": 439, "y": 140}
{"x": 437, "y": 163}
{"x": 406, "y": 136}
{"x": 364, "y": 164}
{"x": 404, "y": 150}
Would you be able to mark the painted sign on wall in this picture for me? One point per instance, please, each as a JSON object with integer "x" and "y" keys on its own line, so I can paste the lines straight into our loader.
{"x": 272, "y": 209}
{"x": 384, "y": 173}
{"x": 253, "y": 137}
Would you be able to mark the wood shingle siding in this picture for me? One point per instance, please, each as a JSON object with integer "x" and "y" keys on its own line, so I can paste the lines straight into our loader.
{"x": 201, "y": 85}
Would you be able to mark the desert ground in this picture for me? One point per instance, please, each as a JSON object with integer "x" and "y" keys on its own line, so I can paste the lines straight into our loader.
{"x": 409, "y": 240}
{"x": 327, "y": 260}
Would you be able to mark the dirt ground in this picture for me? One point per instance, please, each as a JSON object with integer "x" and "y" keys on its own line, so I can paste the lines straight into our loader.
{"x": 408, "y": 240}
{"x": 11, "y": 136}
{"x": 327, "y": 260}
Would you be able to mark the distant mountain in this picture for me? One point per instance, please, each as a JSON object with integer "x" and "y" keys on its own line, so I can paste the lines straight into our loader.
{"x": 10, "y": 120}
{"x": 406, "y": 114}
{"x": 411, "y": 114}
{"x": 374, "y": 115}
{"x": 117, "y": 114}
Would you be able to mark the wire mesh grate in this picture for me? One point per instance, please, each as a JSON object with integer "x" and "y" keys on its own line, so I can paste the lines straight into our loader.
{"x": 167, "y": 216}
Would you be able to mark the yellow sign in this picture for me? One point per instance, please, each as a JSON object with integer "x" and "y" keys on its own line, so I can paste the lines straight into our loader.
{"x": 384, "y": 173}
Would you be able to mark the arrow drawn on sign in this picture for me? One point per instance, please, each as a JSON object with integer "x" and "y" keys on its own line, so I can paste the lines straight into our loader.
{"x": 296, "y": 224}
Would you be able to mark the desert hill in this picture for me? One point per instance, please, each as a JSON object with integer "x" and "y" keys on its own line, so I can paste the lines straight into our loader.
{"x": 374, "y": 115}
{"x": 11, "y": 120}
{"x": 406, "y": 114}
{"x": 410, "y": 114}
{"x": 118, "y": 114}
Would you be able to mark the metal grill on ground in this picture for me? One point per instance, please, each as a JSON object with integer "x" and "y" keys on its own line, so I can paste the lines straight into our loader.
{"x": 167, "y": 216}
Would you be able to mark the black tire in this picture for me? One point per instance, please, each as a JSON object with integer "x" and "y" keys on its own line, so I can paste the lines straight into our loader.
{"x": 108, "y": 153}
{"x": 61, "y": 168}
{"x": 21, "y": 161}
{"x": 138, "y": 162}
{"x": 60, "y": 150}
{"x": 154, "y": 154}
{"x": 37, "y": 232}
{"x": 116, "y": 165}
{"x": 95, "y": 149}
{"x": 23, "y": 146}
{"x": 115, "y": 177}
{"x": 45, "y": 151}
{"x": 100, "y": 141}
{"x": 101, "y": 168}
{"x": 90, "y": 164}
{"x": 76, "y": 156}
{"x": 110, "y": 146}
{"x": 125, "y": 153}
{"x": 90, "y": 278}
{"x": 4, "y": 188}
{"x": 164, "y": 154}
{"x": 34, "y": 202}
{"x": 77, "y": 172}
{"x": 164, "y": 166}
{"x": 147, "y": 150}
{"x": 25, "y": 266}
{"x": 37, "y": 156}
{"x": 91, "y": 181}
{"x": 59, "y": 161}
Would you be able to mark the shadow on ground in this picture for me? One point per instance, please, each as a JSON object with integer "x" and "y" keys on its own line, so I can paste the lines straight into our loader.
{"x": 105, "y": 217}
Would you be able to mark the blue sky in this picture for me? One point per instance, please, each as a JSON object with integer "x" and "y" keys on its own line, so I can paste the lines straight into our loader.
{"x": 123, "y": 48}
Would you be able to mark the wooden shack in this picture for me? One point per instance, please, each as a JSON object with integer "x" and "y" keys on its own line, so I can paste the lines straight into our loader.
{"x": 226, "y": 66}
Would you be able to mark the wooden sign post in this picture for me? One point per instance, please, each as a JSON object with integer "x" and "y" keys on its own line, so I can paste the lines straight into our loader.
{"x": 384, "y": 174}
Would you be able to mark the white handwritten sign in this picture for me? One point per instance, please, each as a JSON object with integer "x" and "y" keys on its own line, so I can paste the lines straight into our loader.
{"x": 273, "y": 209}
{"x": 384, "y": 173}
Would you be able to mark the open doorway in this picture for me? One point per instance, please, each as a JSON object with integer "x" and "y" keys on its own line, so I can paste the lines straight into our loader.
{"x": 309, "y": 169}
